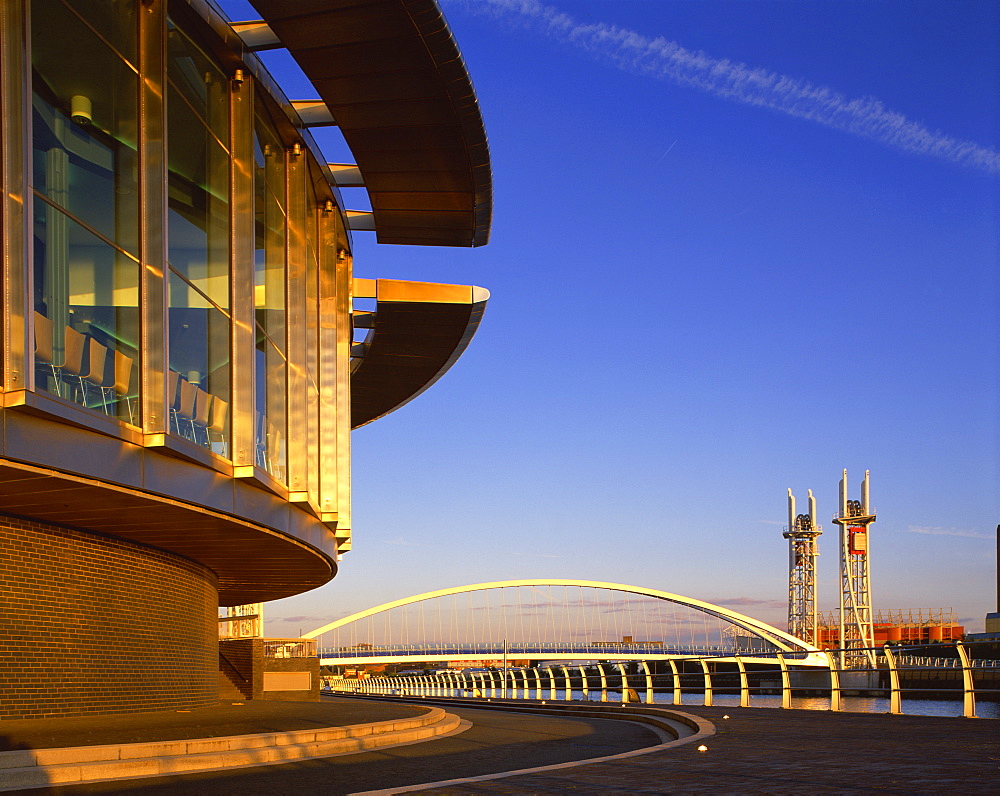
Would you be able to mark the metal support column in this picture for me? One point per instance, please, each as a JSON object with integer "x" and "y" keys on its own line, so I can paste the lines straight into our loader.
{"x": 649, "y": 683}
{"x": 708, "y": 682}
{"x": 835, "y": 700}
{"x": 968, "y": 686}
{"x": 895, "y": 696}
{"x": 604, "y": 682}
{"x": 678, "y": 695}
{"x": 744, "y": 684}
{"x": 624, "y": 675}
{"x": 786, "y": 683}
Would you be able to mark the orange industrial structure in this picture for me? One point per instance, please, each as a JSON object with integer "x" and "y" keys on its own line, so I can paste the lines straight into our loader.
{"x": 892, "y": 626}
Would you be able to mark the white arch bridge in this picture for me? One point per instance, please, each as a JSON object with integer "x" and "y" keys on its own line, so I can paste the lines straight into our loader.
{"x": 554, "y": 620}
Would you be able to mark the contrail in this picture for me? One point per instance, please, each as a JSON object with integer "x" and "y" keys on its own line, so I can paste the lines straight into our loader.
{"x": 659, "y": 58}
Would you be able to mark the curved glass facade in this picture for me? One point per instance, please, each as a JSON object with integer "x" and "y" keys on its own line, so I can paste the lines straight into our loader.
{"x": 86, "y": 204}
{"x": 185, "y": 241}
{"x": 176, "y": 318}
{"x": 199, "y": 230}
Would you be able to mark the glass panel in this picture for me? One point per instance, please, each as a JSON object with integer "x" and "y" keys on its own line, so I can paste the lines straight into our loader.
{"x": 312, "y": 362}
{"x": 198, "y": 229}
{"x": 112, "y": 19}
{"x": 269, "y": 298}
{"x": 84, "y": 127}
{"x": 86, "y": 316}
{"x": 201, "y": 82}
{"x": 270, "y": 419}
{"x": 198, "y": 380}
{"x": 198, "y": 217}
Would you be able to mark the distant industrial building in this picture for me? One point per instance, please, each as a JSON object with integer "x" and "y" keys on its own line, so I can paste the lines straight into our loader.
{"x": 898, "y": 626}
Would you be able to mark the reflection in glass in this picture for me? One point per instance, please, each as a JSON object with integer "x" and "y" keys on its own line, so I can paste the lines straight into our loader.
{"x": 198, "y": 229}
{"x": 269, "y": 299}
{"x": 84, "y": 124}
{"x": 198, "y": 380}
{"x": 114, "y": 21}
{"x": 197, "y": 124}
{"x": 312, "y": 365}
{"x": 86, "y": 316}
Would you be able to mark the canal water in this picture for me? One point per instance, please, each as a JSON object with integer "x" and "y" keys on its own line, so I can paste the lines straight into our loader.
{"x": 913, "y": 707}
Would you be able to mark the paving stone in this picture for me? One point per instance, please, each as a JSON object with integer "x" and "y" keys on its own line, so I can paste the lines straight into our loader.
{"x": 762, "y": 750}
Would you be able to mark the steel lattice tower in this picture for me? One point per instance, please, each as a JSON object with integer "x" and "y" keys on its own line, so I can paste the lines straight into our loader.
{"x": 803, "y": 548}
{"x": 856, "y": 632}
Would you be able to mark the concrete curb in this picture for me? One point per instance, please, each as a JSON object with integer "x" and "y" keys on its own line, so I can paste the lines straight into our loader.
{"x": 34, "y": 768}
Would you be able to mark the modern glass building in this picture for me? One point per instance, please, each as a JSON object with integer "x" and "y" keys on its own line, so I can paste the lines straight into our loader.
{"x": 183, "y": 357}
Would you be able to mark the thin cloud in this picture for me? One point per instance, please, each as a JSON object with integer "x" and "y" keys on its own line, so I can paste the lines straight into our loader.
{"x": 399, "y": 540}
{"x": 939, "y": 531}
{"x": 668, "y": 151}
{"x": 866, "y": 117}
{"x": 749, "y": 601}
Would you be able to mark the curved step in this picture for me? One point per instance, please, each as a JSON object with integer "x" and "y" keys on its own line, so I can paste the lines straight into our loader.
{"x": 28, "y": 768}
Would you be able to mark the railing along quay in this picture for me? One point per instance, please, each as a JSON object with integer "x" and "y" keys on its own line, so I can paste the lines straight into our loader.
{"x": 613, "y": 677}
{"x": 533, "y": 649}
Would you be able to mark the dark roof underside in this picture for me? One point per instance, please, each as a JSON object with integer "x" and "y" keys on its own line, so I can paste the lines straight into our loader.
{"x": 394, "y": 80}
{"x": 412, "y": 345}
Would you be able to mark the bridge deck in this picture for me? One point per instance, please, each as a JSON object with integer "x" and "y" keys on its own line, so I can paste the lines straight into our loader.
{"x": 556, "y": 651}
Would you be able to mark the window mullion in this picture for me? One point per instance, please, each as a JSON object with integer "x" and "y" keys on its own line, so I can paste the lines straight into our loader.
{"x": 295, "y": 325}
{"x": 244, "y": 439}
{"x": 15, "y": 209}
{"x": 153, "y": 222}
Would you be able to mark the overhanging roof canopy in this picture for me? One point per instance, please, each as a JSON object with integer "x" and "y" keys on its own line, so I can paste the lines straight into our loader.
{"x": 253, "y": 563}
{"x": 417, "y": 332}
{"x": 394, "y": 80}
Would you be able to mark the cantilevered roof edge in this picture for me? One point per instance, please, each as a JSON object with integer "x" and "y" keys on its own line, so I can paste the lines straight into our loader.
{"x": 441, "y": 44}
{"x": 439, "y": 95}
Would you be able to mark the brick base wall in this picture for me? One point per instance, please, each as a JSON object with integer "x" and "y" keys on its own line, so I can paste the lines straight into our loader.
{"x": 236, "y": 664}
{"x": 92, "y": 624}
{"x": 244, "y": 664}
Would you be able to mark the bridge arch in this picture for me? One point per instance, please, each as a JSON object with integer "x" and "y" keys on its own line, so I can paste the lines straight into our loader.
{"x": 779, "y": 639}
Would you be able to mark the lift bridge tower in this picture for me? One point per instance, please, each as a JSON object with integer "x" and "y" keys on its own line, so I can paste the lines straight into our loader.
{"x": 856, "y": 632}
{"x": 801, "y": 533}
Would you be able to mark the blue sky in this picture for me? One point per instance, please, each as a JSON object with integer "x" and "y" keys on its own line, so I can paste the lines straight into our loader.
{"x": 723, "y": 264}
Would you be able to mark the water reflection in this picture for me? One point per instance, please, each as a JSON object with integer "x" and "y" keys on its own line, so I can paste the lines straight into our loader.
{"x": 912, "y": 707}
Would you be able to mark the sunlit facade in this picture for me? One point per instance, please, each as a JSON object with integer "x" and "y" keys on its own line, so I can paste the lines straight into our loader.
{"x": 178, "y": 325}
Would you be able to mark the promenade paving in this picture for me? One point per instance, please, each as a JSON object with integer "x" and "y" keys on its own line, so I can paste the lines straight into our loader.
{"x": 497, "y": 741}
{"x": 755, "y": 750}
{"x": 772, "y": 751}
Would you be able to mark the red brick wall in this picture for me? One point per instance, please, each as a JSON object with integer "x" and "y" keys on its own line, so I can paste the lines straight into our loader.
{"x": 92, "y": 624}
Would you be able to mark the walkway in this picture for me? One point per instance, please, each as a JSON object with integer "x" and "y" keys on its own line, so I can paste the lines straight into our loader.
{"x": 761, "y": 750}
{"x": 756, "y": 750}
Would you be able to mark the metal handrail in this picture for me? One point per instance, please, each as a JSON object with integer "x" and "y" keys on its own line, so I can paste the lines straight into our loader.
{"x": 533, "y": 648}
{"x": 494, "y": 683}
